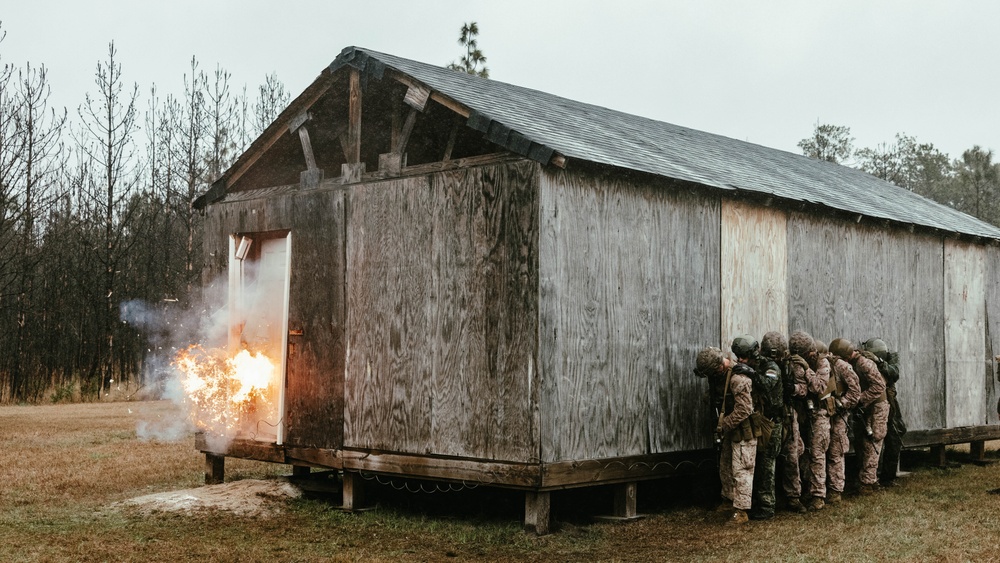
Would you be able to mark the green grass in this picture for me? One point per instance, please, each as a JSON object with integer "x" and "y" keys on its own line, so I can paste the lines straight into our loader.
{"x": 65, "y": 465}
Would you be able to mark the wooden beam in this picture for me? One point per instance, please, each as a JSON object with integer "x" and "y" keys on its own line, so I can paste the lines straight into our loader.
{"x": 354, "y": 119}
{"x": 446, "y": 469}
{"x": 582, "y": 473}
{"x": 416, "y": 96}
{"x": 625, "y": 500}
{"x": 273, "y": 134}
{"x": 404, "y": 135}
{"x": 215, "y": 469}
{"x": 558, "y": 160}
{"x": 307, "y": 149}
{"x": 353, "y": 492}
{"x": 451, "y": 139}
{"x": 962, "y": 435}
{"x": 457, "y": 107}
{"x": 537, "y": 512}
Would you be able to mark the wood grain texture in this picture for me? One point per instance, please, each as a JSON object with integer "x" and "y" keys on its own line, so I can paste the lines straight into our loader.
{"x": 314, "y": 382}
{"x": 965, "y": 325}
{"x": 442, "y": 305}
{"x": 863, "y": 281}
{"x": 628, "y": 288}
{"x": 753, "y": 258}
{"x": 991, "y": 368}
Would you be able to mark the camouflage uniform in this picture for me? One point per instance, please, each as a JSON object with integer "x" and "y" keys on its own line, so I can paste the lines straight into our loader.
{"x": 794, "y": 447}
{"x": 739, "y": 446}
{"x": 848, "y": 390}
{"x": 876, "y": 409}
{"x": 822, "y": 401}
{"x": 767, "y": 396}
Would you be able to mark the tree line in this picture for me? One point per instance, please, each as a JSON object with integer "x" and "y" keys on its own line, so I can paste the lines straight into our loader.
{"x": 96, "y": 212}
{"x": 969, "y": 183}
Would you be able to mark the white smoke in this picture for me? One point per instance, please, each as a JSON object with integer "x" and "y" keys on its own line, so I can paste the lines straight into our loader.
{"x": 170, "y": 327}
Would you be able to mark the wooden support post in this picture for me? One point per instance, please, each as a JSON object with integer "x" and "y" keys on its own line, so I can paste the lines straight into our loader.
{"x": 351, "y": 173}
{"x": 300, "y": 471}
{"x": 391, "y": 163}
{"x": 977, "y": 451}
{"x": 451, "y": 140}
{"x": 354, "y": 119}
{"x": 537, "y": 512}
{"x": 353, "y": 492}
{"x": 938, "y": 457}
{"x": 625, "y": 501}
{"x": 404, "y": 135}
{"x": 215, "y": 469}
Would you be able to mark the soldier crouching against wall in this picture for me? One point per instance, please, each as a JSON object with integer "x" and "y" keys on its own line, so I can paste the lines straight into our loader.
{"x": 888, "y": 365}
{"x": 739, "y": 445}
{"x": 873, "y": 411}
{"x": 847, "y": 390}
{"x": 768, "y": 397}
{"x": 819, "y": 407}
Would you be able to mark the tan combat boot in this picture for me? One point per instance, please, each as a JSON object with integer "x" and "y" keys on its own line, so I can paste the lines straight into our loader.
{"x": 832, "y": 497}
{"x": 738, "y": 517}
{"x": 816, "y": 503}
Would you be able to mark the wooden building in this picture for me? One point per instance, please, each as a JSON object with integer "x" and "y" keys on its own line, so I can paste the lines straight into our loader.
{"x": 486, "y": 283}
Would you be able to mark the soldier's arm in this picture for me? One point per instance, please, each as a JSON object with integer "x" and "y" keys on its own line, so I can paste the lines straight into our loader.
{"x": 875, "y": 383}
{"x": 853, "y": 393}
{"x": 890, "y": 368}
{"x": 742, "y": 403}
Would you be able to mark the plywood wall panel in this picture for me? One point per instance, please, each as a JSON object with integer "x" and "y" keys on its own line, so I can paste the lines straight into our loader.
{"x": 753, "y": 258}
{"x": 965, "y": 323}
{"x": 629, "y": 293}
{"x": 859, "y": 281}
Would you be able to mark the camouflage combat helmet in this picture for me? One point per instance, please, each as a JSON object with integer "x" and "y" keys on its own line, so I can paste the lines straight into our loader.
{"x": 745, "y": 346}
{"x": 773, "y": 345}
{"x": 842, "y": 348}
{"x": 821, "y": 347}
{"x": 801, "y": 343}
{"x": 876, "y": 346}
{"x": 710, "y": 360}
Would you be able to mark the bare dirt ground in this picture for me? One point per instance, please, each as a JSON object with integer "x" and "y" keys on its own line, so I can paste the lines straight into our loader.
{"x": 250, "y": 497}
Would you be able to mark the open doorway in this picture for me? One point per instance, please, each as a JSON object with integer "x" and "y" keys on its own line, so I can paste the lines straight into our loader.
{"x": 259, "y": 276}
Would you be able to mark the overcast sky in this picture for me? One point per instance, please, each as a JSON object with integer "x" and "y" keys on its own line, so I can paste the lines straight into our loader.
{"x": 761, "y": 71}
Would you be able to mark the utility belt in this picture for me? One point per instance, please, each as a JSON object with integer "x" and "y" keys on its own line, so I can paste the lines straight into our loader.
{"x": 754, "y": 426}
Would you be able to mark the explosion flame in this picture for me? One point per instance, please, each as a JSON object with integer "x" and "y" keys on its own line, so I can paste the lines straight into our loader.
{"x": 228, "y": 395}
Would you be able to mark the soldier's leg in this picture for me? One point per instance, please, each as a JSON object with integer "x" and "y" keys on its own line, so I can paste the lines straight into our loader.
{"x": 888, "y": 463}
{"x": 839, "y": 445}
{"x": 817, "y": 455}
{"x": 744, "y": 456}
{"x": 764, "y": 476}
{"x": 873, "y": 445}
{"x": 726, "y": 469}
{"x": 790, "y": 481}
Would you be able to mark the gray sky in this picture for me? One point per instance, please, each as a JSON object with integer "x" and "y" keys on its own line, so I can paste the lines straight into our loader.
{"x": 762, "y": 71}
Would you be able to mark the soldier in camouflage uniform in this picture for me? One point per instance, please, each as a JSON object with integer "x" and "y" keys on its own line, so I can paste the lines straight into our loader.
{"x": 796, "y": 387}
{"x": 847, "y": 390}
{"x": 768, "y": 400}
{"x": 887, "y": 362}
{"x": 739, "y": 445}
{"x": 872, "y": 410}
{"x": 819, "y": 406}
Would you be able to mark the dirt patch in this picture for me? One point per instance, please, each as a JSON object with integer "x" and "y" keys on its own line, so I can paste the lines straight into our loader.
{"x": 248, "y": 497}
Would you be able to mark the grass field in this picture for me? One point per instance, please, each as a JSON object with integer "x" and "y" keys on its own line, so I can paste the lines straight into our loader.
{"x": 63, "y": 466}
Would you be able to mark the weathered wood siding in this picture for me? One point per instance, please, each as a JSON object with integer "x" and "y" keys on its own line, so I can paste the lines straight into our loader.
{"x": 859, "y": 281}
{"x": 442, "y": 309}
{"x": 314, "y": 396}
{"x": 965, "y": 325}
{"x": 990, "y": 369}
{"x": 754, "y": 270}
{"x": 629, "y": 289}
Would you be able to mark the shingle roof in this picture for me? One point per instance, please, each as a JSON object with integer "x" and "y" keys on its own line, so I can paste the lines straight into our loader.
{"x": 512, "y": 115}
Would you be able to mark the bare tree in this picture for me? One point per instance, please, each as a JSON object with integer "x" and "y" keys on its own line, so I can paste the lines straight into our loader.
{"x": 271, "y": 100}
{"x": 108, "y": 125}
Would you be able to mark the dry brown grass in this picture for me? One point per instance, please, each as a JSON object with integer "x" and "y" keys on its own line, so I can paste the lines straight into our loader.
{"x": 61, "y": 467}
